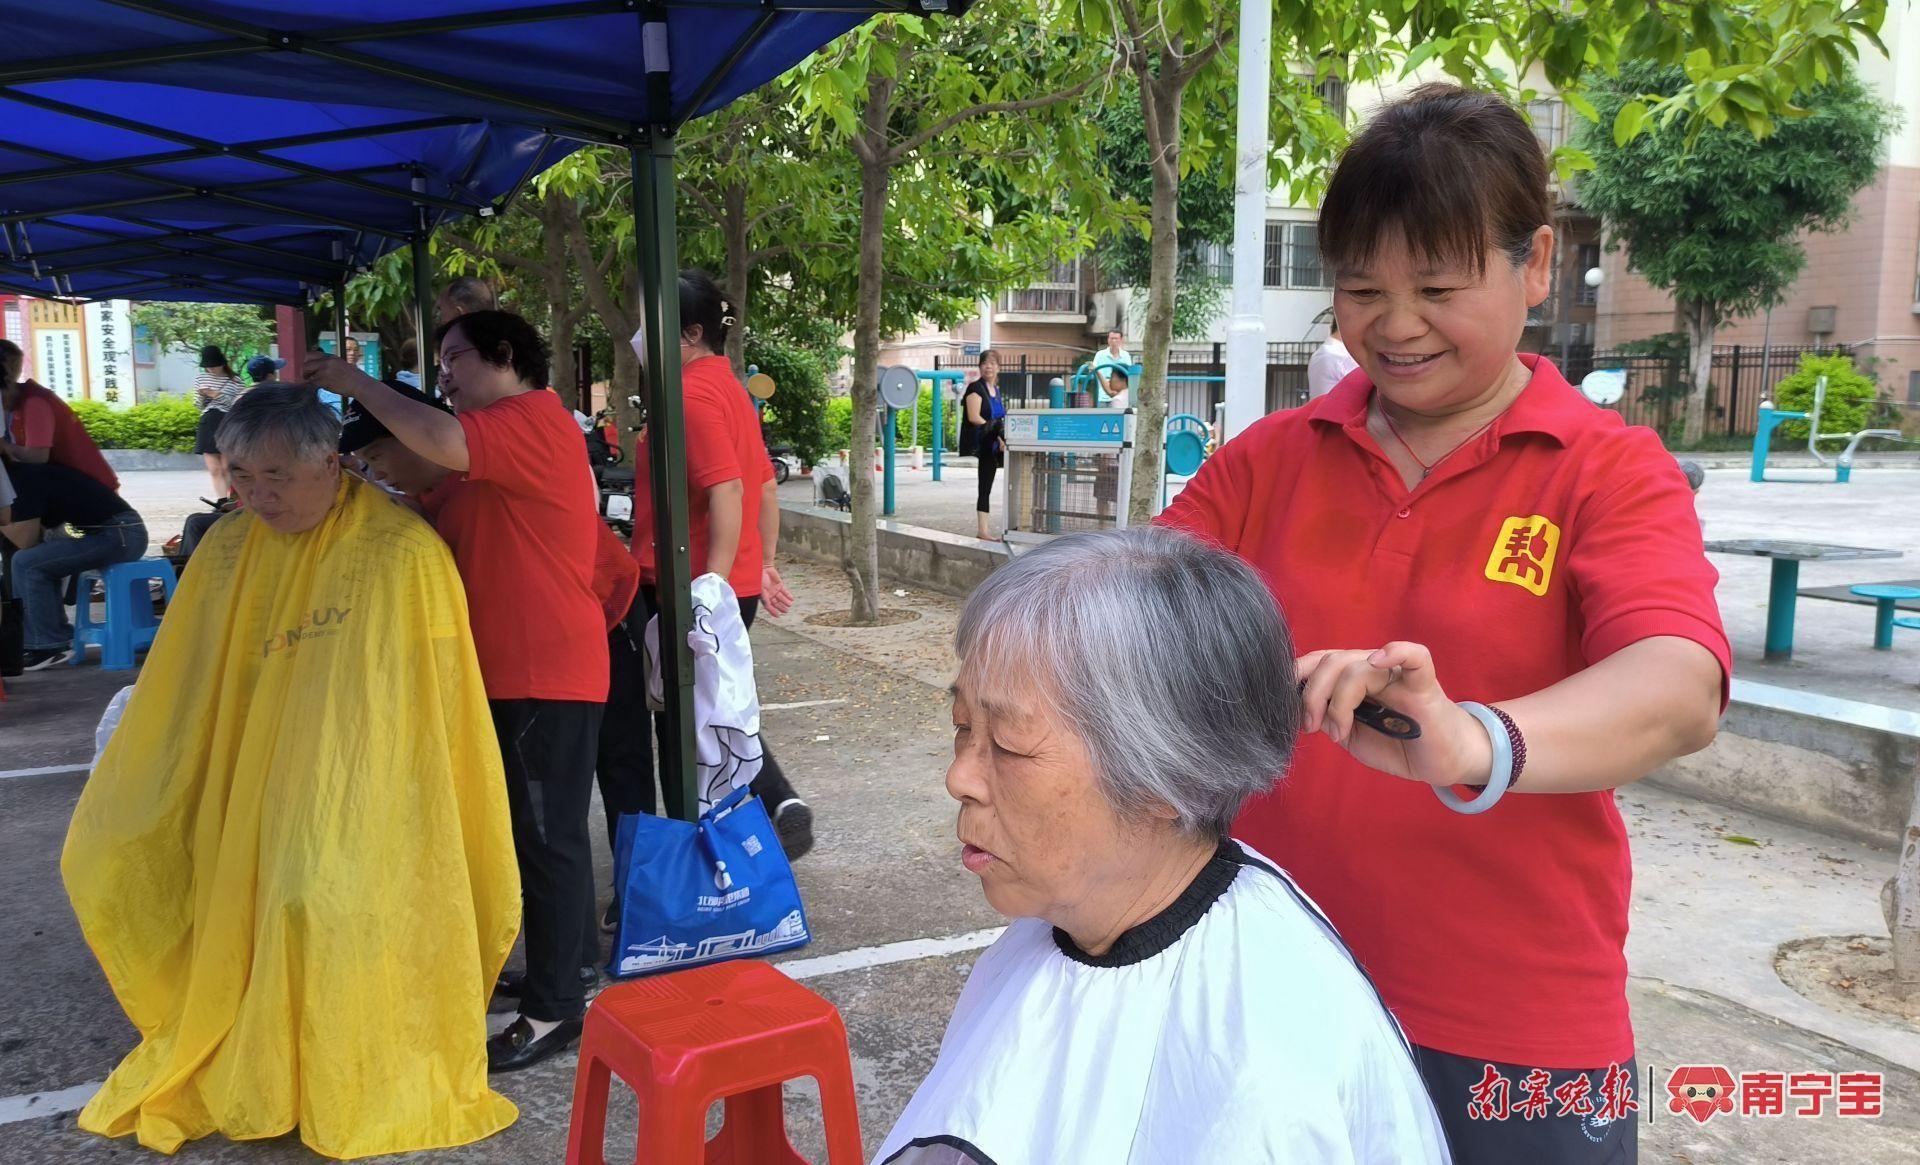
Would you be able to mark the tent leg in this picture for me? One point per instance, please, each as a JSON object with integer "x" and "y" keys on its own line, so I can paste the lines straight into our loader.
{"x": 659, "y": 261}
{"x": 423, "y": 305}
{"x": 340, "y": 317}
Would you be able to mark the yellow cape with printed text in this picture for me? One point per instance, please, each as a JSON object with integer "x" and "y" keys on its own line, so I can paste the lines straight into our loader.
{"x": 294, "y": 860}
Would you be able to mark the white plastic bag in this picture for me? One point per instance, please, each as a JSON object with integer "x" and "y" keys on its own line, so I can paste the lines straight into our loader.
{"x": 726, "y": 702}
{"x": 110, "y": 720}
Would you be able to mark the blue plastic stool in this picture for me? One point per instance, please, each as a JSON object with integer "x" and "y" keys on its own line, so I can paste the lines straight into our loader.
{"x": 130, "y": 625}
{"x": 1885, "y": 598}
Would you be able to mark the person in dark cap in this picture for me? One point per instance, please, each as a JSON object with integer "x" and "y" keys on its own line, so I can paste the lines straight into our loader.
{"x": 263, "y": 368}
{"x": 388, "y": 461}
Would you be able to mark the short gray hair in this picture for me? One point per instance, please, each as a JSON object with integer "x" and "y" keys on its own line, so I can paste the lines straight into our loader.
{"x": 287, "y": 416}
{"x": 1167, "y": 655}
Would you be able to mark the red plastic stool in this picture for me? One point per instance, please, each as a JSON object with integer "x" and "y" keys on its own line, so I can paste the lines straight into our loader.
{"x": 682, "y": 1041}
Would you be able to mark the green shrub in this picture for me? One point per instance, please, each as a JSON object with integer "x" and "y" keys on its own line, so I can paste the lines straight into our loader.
{"x": 1849, "y": 399}
{"x": 165, "y": 426}
{"x": 904, "y": 429}
{"x": 839, "y": 412}
{"x": 798, "y": 416}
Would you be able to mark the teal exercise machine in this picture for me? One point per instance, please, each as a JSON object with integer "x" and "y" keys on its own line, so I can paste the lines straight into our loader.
{"x": 1842, "y": 466}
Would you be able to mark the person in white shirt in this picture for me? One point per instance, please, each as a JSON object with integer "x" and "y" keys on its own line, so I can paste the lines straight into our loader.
{"x": 1330, "y": 364}
{"x": 1164, "y": 993}
{"x": 1114, "y": 355}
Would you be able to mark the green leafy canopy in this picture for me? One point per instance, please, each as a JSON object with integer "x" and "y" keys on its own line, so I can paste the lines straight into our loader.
{"x": 1716, "y": 220}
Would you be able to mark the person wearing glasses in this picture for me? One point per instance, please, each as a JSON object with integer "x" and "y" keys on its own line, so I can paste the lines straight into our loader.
{"x": 520, "y": 511}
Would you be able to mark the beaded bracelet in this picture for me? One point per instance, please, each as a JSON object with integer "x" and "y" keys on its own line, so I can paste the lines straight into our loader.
{"x": 1514, "y": 740}
{"x": 1503, "y": 768}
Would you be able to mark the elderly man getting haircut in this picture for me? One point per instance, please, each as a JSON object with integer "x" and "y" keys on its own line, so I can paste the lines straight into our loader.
{"x": 1164, "y": 993}
{"x": 294, "y": 860}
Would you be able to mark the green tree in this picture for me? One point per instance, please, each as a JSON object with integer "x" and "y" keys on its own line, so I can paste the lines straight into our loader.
{"x": 1745, "y": 60}
{"x": 1205, "y": 211}
{"x": 1715, "y": 216}
{"x": 240, "y": 330}
{"x": 935, "y": 118}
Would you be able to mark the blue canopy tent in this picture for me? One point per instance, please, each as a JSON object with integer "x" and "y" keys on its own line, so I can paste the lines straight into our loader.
{"x": 264, "y": 152}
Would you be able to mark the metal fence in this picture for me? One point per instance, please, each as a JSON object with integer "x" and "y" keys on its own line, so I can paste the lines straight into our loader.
{"x": 1743, "y": 376}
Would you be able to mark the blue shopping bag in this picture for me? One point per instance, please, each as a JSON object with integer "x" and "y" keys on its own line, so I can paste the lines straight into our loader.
{"x": 699, "y": 892}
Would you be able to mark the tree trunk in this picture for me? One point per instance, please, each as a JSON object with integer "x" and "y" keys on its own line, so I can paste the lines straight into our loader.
{"x": 1701, "y": 321}
{"x": 564, "y": 372}
{"x": 863, "y": 539}
{"x": 625, "y": 384}
{"x": 1160, "y": 104}
{"x": 733, "y": 228}
{"x": 555, "y": 281}
{"x": 1901, "y": 903}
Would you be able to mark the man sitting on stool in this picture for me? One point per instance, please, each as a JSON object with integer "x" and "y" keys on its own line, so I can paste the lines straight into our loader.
{"x": 106, "y": 529}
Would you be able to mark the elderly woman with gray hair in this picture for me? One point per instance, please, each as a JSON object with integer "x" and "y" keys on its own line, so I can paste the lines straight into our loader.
{"x": 1164, "y": 993}
{"x": 294, "y": 859}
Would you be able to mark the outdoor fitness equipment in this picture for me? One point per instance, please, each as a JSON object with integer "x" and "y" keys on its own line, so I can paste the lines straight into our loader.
{"x": 1067, "y": 469}
{"x": 1187, "y": 437}
{"x": 1771, "y": 417}
{"x": 940, "y": 377}
{"x": 899, "y": 389}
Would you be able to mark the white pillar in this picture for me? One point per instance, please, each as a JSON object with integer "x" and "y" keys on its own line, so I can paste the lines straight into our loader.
{"x": 1246, "y": 394}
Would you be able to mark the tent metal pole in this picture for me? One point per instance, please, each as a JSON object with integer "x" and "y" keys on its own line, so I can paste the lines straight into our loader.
{"x": 340, "y": 315}
{"x": 658, "y": 257}
{"x": 423, "y": 303}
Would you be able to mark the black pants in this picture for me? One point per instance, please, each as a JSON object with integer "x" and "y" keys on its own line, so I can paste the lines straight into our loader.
{"x": 625, "y": 770}
{"x": 547, "y": 746}
{"x": 989, "y": 466}
{"x": 1549, "y": 1139}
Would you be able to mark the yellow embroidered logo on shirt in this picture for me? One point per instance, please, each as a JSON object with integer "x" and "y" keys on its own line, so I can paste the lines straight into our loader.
{"x": 1523, "y": 554}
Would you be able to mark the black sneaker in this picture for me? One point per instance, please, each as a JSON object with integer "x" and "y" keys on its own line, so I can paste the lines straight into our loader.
{"x": 36, "y": 660}
{"x": 793, "y": 821}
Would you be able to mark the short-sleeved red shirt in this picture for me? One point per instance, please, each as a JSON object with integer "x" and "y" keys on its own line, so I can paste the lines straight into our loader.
{"x": 1551, "y": 541}
{"x": 723, "y": 443}
{"x": 524, "y": 525}
{"x": 41, "y": 420}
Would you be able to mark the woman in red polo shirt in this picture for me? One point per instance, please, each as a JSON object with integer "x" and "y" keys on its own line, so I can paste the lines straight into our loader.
{"x": 521, "y": 514}
{"x": 733, "y": 526}
{"x": 1455, "y": 523}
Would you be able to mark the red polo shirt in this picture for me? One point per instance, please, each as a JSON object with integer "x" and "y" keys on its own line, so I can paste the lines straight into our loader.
{"x": 723, "y": 443}
{"x": 41, "y": 420}
{"x": 524, "y": 525}
{"x": 1549, "y": 542}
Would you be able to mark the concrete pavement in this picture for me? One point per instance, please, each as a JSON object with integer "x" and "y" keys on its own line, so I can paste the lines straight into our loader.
{"x": 866, "y": 738}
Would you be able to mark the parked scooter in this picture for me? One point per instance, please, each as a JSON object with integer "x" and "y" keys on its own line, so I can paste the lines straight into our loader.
{"x": 613, "y": 480}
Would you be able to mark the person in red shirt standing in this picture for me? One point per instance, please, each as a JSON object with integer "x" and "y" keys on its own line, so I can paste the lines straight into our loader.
{"x": 1453, "y": 522}
{"x": 733, "y": 519}
{"x": 521, "y": 515}
{"x": 40, "y": 426}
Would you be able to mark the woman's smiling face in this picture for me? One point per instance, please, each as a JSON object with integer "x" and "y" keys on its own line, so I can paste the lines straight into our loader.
{"x": 1432, "y": 335}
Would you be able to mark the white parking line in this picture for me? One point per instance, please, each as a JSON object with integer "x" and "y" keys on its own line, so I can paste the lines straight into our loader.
{"x": 904, "y": 951}
{"x": 799, "y": 704}
{"x": 50, "y": 770}
{"x": 35, "y": 1105}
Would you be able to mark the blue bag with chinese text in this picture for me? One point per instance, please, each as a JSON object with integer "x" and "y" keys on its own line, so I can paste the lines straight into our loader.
{"x": 699, "y": 892}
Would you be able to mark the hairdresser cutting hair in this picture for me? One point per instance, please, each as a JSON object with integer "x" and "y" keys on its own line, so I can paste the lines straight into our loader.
{"x": 1454, "y": 532}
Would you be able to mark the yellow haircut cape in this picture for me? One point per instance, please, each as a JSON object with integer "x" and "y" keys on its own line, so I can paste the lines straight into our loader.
{"x": 294, "y": 860}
